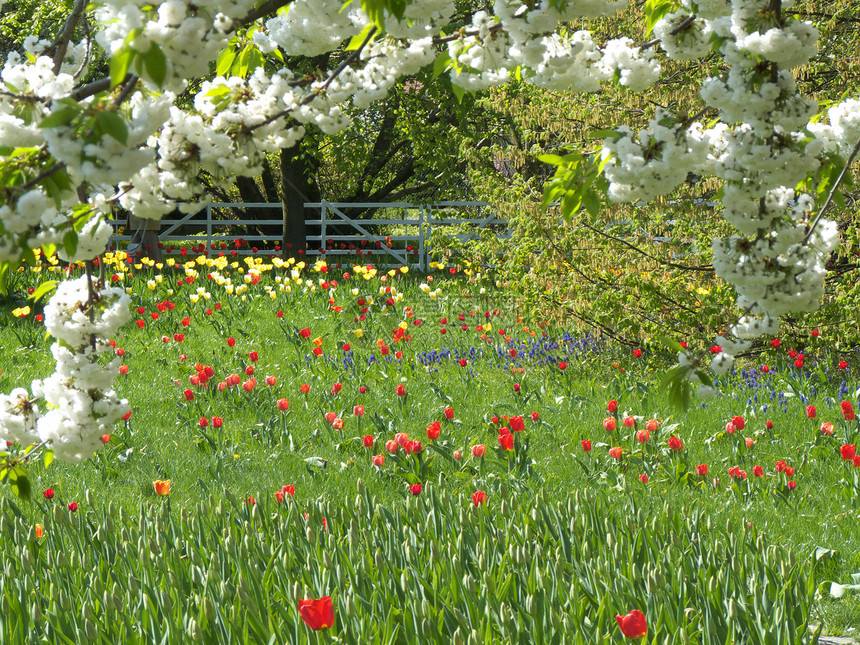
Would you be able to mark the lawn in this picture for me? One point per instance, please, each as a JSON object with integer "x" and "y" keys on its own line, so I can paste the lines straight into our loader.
{"x": 441, "y": 466}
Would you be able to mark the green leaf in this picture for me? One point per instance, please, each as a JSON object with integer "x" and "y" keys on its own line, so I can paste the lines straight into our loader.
{"x": 113, "y": 125}
{"x": 70, "y": 243}
{"x": 553, "y": 160}
{"x": 59, "y": 117}
{"x": 655, "y": 10}
{"x": 356, "y": 41}
{"x": 156, "y": 64}
{"x": 677, "y": 386}
{"x": 20, "y": 482}
{"x": 43, "y": 289}
{"x": 4, "y": 278}
{"x": 120, "y": 63}
{"x": 442, "y": 64}
{"x": 224, "y": 61}
{"x": 48, "y": 457}
{"x": 459, "y": 92}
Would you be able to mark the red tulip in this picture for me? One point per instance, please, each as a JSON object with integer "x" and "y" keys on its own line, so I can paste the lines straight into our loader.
{"x": 415, "y": 489}
{"x": 637, "y": 352}
{"x": 449, "y": 413}
{"x": 49, "y": 493}
{"x": 305, "y": 333}
{"x": 675, "y": 443}
{"x": 231, "y": 342}
{"x": 317, "y": 613}
{"x": 358, "y": 410}
{"x": 843, "y": 365}
{"x": 378, "y": 460}
{"x": 612, "y": 406}
{"x": 458, "y": 455}
{"x": 738, "y": 422}
{"x": 702, "y": 470}
{"x": 189, "y": 395}
{"x": 609, "y": 424}
{"x": 811, "y": 411}
{"x": 479, "y": 497}
{"x": 633, "y": 625}
{"x": 517, "y": 423}
{"x": 562, "y": 365}
{"x": 535, "y": 416}
{"x": 73, "y": 507}
{"x": 367, "y": 440}
{"x": 271, "y": 381}
{"x": 616, "y": 452}
{"x": 848, "y": 451}
{"x": 506, "y": 441}
{"x": 847, "y": 410}
{"x": 391, "y": 445}
{"x": 586, "y": 445}
{"x": 283, "y": 405}
{"x": 305, "y": 388}
{"x": 400, "y": 390}
{"x": 478, "y": 450}
{"x": 289, "y": 489}
{"x": 643, "y": 478}
{"x": 629, "y": 422}
{"x": 758, "y": 471}
{"x": 253, "y": 356}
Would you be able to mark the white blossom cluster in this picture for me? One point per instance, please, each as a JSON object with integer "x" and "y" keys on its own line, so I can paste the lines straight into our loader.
{"x": 693, "y": 41}
{"x": 655, "y": 161}
{"x": 189, "y": 35}
{"x": 79, "y": 402}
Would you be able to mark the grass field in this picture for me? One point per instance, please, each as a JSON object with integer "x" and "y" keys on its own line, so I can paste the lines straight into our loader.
{"x": 245, "y": 378}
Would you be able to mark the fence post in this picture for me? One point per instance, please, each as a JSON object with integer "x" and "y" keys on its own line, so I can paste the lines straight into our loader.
{"x": 323, "y": 245}
{"x": 421, "y": 237}
{"x": 428, "y": 229}
{"x": 208, "y": 228}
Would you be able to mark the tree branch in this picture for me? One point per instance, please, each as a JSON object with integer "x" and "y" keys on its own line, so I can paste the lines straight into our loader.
{"x": 61, "y": 44}
{"x": 270, "y": 6}
{"x": 683, "y": 267}
{"x": 310, "y": 97}
{"x": 830, "y": 195}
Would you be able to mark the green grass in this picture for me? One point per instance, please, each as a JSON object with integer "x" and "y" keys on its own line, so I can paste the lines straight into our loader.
{"x": 259, "y": 449}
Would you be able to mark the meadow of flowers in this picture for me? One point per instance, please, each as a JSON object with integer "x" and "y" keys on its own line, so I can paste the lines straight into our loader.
{"x": 368, "y": 455}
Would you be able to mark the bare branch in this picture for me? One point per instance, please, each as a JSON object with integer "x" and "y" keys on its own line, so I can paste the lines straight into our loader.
{"x": 61, "y": 44}
{"x": 91, "y": 89}
{"x": 683, "y": 267}
{"x": 831, "y": 194}
{"x": 270, "y": 6}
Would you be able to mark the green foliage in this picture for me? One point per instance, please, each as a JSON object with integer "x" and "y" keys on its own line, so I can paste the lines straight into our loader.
{"x": 430, "y": 570}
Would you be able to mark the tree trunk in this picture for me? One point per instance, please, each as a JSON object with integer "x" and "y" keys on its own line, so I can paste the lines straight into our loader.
{"x": 298, "y": 170}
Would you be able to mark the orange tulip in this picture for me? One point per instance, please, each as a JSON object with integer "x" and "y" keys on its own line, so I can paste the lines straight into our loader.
{"x": 162, "y": 486}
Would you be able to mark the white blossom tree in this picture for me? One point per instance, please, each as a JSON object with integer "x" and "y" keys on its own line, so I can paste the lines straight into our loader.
{"x": 70, "y": 149}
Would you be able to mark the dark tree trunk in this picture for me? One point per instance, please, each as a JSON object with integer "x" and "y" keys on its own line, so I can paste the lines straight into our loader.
{"x": 298, "y": 170}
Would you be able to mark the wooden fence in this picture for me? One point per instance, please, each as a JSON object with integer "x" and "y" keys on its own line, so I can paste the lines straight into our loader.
{"x": 339, "y": 234}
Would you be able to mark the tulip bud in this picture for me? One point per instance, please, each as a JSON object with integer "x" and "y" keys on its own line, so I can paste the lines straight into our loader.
{"x": 88, "y": 495}
{"x": 435, "y": 556}
{"x": 457, "y": 639}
